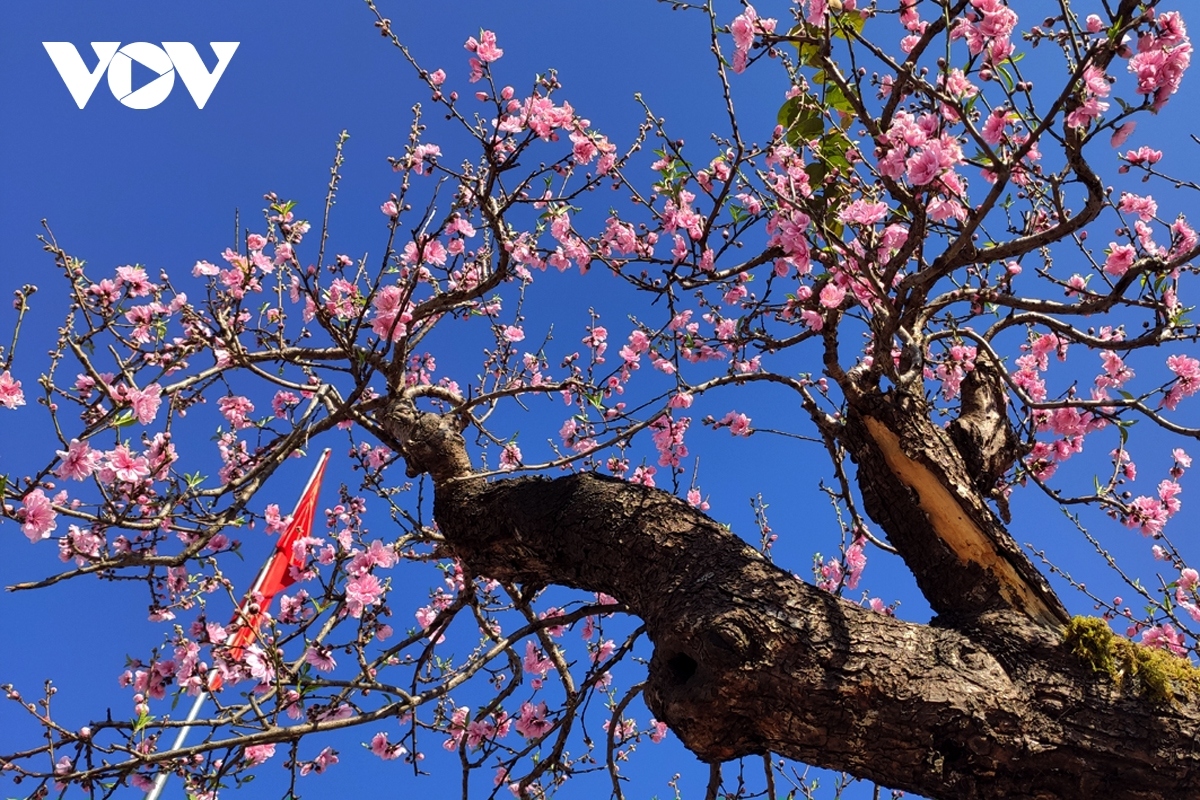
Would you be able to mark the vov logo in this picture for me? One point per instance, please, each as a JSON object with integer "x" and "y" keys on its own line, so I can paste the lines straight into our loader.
{"x": 118, "y": 61}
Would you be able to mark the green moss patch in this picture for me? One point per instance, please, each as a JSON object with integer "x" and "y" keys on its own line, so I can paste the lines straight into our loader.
{"x": 1156, "y": 673}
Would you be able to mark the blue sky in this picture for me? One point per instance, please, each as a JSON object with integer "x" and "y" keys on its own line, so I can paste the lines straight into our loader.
{"x": 161, "y": 187}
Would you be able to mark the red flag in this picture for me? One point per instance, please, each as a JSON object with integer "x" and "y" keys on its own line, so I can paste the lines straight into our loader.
{"x": 276, "y": 574}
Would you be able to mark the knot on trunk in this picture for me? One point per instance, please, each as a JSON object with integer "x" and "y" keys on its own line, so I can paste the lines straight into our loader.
{"x": 429, "y": 442}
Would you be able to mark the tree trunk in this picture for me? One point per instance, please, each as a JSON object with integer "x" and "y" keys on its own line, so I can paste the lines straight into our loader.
{"x": 749, "y": 659}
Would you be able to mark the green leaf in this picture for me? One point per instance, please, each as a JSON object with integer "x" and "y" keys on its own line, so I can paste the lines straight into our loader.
{"x": 845, "y": 24}
{"x": 142, "y": 721}
{"x": 801, "y": 120}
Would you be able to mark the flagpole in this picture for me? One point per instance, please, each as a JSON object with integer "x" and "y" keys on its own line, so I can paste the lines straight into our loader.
{"x": 306, "y": 505}
{"x": 180, "y": 738}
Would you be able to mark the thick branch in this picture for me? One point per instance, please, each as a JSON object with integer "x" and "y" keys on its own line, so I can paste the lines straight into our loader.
{"x": 916, "y": 485}
{"x": 748, "y": 659}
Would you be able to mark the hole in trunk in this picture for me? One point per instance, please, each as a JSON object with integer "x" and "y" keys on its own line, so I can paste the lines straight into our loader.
{"x": 682, "y": 667}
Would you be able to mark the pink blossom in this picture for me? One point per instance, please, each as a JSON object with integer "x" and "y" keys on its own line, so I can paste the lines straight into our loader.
{"x": 63, "y": 767}
{"x": 389, "y": 320}
{"x": 1090, "y": 109}
{"x": 532, "y": 722}
{"x": 78, "y": 461}
{"x": 235, "y": 408}
{"x": 457, "y": 728}
{"x": 863, "y": 213}
{"x": 485, "y": 48}
{"x": 696, "y": 500}
{"x": 11, "y": 395}
{"x": 534, "y": 663}
{"x": 1120, "y": 259}
{"x": 1143, "y": 155}
{"x": 1187, "y": 382}
{"x": 282, "y": 401}
{"x": 1146, "y": 514}
{"x": 39, "y": 517}
{"x": 385, "y": 750}
{"x": 604, "y": 651}
{"x": 1122, "y": 133}
{"x": 1188, "y": 578}
{"x": 258, "y": 753}
{"x": 832, "y": 295}
{"x": 1184, "y": 238}
{"x": 514, "y": 334}
{"x": 361, "y": 592}
{"x": 82, "y": 545}
{"x": 510, "y": 457}
{"x": 320, "y": 657}
{"x": 926, "y": 164}
{"x": 742, "y": 28}
{"x": 1144, "y": 207}
{"x": 738, "y": 424}
{"x": 831, "y": 575}
{"x": 1167, "y": 491}
{"x": 145, "y": 402}
{"x": 1116, "y": 373}
{"x": 1165, "y": 637}
{"x": 125, "y": 466}
{"x": 135, "y": 279}
{"x": 341, "y": 299}
{"x": 324, "y": 760}
{"x": 856, "y": 561}
{"x": 1160, "y": 68}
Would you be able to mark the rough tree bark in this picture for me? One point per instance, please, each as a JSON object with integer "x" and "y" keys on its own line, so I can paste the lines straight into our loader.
{"x": 987, "y": 702}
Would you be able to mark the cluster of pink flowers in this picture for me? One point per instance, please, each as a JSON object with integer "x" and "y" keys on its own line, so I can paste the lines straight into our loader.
{"x": 834, "y": 573}
{"x": 1036, "y": 360}
{"x": 738, "y": 423}
{"x": 959, "y": 360}
{"x": 1186, "y": 382}
{"x": 788, "y": 227}
{"x": 1120, "y": 259}
{"x": 532, "y": 721}
{"x": 1095, "y": 86}
{"x": 510, "y": 457}
{"x": 386, "y": 750}
{"x": 1151, "y": 514}
{"x": 485, "y": 51}
{"x": 1165, "y": 637}
{"x": 668, "y": 434}
{"x": 391, "y": 321}
{"x": 917, "y": 148}
{"x": 11, "y": 395}
{"x": 1163, "y": 55}
{"x": 1116, "y": 373}
{"x": 745, "y": 27}
{"x": 987, "y": 27}
{"x": 39, "y": 517}
{"x": 257, "y": 754}
{"x": 1185, "y": 592}
{"x": 324, "y": 760}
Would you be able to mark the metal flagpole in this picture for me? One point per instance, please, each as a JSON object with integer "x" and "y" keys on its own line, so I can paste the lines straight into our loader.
{"x": 180, "y": 737}
{"x": 213, "y": 681}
